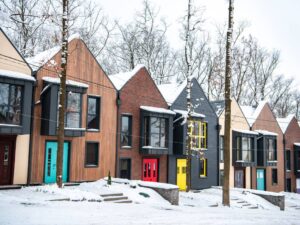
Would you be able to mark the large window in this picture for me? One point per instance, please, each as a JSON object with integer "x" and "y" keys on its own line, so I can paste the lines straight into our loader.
{"x": 92, "y": 154}
{"x": 221, "y": 148}
{"x": 156, "y": 134}
{"x": 271, "y": 148}
{"x": 203, "y": 167}
{"x": 244, "y": 148}
{"x": 73, "y": 110}
{"x": 93, "y": 113}
{"x": 288, "y": 160}
{"x": 199, "y": 135}
{"x": 126, "y": 130}
{"x": 10, "y": 104}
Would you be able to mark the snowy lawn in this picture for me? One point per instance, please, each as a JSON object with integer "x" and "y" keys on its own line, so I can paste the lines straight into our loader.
{"x": 84, "y": 205}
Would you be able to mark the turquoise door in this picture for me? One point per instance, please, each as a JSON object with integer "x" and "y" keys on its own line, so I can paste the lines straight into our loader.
{"x": 260, "y": 179}
{"x": 50, "y": 162}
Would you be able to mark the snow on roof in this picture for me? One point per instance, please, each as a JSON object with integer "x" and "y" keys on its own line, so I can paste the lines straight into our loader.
{"x": 284, "y": 122}
{"x": 157, "y": 110}
{"x": 42, "y": 58}
{"x": 245, "y": 131}
{"x": 68, "y": 82}
{"x": 193, "y": 114}
{"x": 120, "y": 79}
{"x": 171, "y": 91}
{"x": 265, "y": 132}
{"x": 251, "y": 113}
{"x": 218, "y": 106}
{"x": 16, "y": 75}
{"x": 297, "y": 144}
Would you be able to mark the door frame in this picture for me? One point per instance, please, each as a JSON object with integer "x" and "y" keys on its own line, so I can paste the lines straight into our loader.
{"x": 158, "y": 166}
{"x": 244, "y": 177}
{"x": 12, "y": 139}
{"x": 69, "y": 157}
{"x": 265, "y": 183}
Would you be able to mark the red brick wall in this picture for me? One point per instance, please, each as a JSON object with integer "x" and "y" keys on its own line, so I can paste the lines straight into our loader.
{"x": 140, "y": 90}
{"x": 292, "y": 135}
{"x": 267, "y": 121}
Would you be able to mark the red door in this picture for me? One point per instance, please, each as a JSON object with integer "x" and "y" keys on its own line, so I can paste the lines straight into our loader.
{"x": 6, "y": 162}
{"x": 150, "y": 169}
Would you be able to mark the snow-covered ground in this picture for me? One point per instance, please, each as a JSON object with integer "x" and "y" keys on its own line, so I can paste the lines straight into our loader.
{"x": 84, "y": 205}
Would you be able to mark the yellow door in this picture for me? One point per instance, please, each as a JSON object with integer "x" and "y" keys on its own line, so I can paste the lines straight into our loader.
{"x": 181, "y": 174}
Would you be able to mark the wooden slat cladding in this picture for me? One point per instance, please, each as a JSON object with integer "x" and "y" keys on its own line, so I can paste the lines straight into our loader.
{"x": 82, "y": 67}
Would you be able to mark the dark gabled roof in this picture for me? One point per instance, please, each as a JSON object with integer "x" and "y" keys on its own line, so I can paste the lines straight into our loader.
{"x": 218, "y": 106}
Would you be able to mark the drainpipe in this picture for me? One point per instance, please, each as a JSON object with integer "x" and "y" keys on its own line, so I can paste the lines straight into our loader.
{"x": 31, "y": 131}
{"x": 118, "y": 102}
{"x": 218, "y": 127}
{"x": 284, "y": 163}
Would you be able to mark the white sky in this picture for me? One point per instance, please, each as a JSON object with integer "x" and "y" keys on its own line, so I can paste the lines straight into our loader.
{"x": 275, "y": 23}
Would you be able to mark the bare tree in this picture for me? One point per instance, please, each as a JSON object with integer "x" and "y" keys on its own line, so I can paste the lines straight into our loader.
{"x": 227, "y": 133}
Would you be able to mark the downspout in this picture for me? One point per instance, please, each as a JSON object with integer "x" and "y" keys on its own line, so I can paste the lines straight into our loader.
{"x": 118, "y": 102}
{"x": 284, "y": 163}
{"x": 218, "y": 151}
{"x": 31, "y": 132}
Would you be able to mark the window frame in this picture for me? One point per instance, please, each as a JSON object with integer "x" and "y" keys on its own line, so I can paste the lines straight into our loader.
{"x": 129, "y": 116}
{"x": 244, "y": 154}
{"x": 148, "y": 133}
{"x": 98, "y": 113}
{"x": 9, "y": 105}
{"x": 89, "y": 165}
{"x": 288, "y": 160}
{"x": 201, "y": 136}
{"x": 274, "y": 140}
{"x": 274, "y": 179}
{"x": 203, "y": 174}
{"x": 221, "y": 147}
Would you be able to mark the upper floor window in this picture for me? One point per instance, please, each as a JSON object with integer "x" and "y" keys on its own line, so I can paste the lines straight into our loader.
{"x": 156, "y": 134}
{"x": 199, "y": 134}
{"x": 73, "y": 110}
{"x": 244, "y": 148}
{"x": 93, "y": 113}
{"x": 271, "y": 149}
{"x": 10, "y": 104}
{"x": 126, "y": 130}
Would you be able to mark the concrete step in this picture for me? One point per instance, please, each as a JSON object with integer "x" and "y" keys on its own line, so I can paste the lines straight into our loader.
{"x": 123, "y": 201}
{"x": 71, "y": 184}
{"x": 9, "y": 187}
{"x": 111, "y": 199}
{"x": 111, "y": 195}
{"x": 253, "y": 207}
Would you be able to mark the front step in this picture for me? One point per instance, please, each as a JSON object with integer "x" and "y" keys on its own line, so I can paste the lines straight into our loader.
{"x": 110, "y": 199}
{"x": 111, "y": 195}
{"x": 124, "y": 201}
{"x": 9, "y": 187}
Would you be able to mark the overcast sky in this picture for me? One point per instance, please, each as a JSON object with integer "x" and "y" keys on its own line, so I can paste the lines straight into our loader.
{"x": 275, "y": 23}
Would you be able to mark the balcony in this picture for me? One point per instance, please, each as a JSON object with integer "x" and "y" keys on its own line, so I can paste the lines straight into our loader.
{"x": 267, "y": 150}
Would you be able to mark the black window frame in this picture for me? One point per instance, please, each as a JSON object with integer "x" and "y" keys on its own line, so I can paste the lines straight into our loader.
{"x": 221, "y": 148}
{"x": 97, "y": 114}
{"x": 88, "y": 164}
{"x": 274, "y": 140}
{"x": 129, "y": 116}
{"x": 274, "y": 176}
{"x": 288, "y": 159}
{"x": 240, "y": 150}
{"x": 148, "y": 133}
{"x": 9, "y": 105}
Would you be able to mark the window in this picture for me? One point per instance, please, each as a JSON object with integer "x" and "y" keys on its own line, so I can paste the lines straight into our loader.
{"x": 288, "y": 160}
{"x": 244, "y": 148}
{"x": 10, "y": 104}
{"x": 221, "y": 178}
{"x": 274, "y": 177}
{"x": 221, "y": 148}
{"x": 92, "y": 154}
{"x": 125, "y": 168}
{"x": 126, "y": 130}
{"x": 156, "y": 134}
{"x": 203, "y": 167}
{"x": 199, "y": 134}
{"x": 93, "y": 113}
{"x": 73, "y": 110}
{"x": 271, "y": 148}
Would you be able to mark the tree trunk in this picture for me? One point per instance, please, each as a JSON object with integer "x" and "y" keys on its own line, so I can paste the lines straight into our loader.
{"x": 188, "y": 99}
{"x": 62, "y": 94}
{"x": 227, "y": 134}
